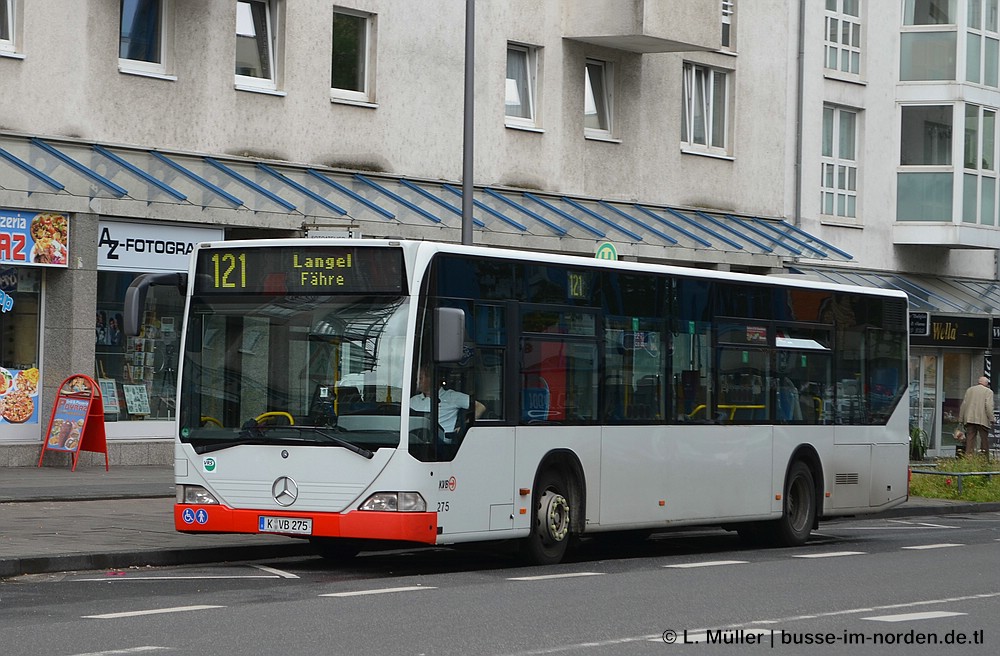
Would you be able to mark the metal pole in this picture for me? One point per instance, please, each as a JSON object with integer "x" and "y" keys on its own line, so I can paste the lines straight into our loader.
{"x": 467, "y": 188}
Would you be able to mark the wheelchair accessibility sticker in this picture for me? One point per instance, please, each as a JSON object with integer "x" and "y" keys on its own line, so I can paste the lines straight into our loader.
{"x": 191, "y": 516}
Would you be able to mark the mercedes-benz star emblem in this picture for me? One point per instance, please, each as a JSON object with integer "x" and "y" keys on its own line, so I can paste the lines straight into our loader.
{"x": 285, "y": 491}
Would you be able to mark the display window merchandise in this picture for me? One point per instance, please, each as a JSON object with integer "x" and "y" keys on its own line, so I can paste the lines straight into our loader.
{"x": 19, "y": 362}
{"x": 140, "y": 370}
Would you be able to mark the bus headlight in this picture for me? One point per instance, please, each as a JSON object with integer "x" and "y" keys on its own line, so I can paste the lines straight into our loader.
{"x": 395, "y": 502}
{"x": 195, "y": 495}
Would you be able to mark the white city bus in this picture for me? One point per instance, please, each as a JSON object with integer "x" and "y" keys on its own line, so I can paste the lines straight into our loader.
{"x": 611, "y": 396}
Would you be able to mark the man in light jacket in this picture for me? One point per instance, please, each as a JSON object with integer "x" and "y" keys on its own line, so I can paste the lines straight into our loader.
{"x": 977, "y": 415}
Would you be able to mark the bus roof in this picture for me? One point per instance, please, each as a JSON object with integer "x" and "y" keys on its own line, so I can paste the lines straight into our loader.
{"x": 422, "y": 251}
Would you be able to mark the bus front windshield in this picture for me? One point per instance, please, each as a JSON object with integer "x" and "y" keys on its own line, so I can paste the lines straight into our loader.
{"x": 314, "y": 370}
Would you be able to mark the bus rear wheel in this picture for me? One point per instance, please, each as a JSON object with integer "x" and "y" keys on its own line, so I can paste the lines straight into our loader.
{"x": 550, "y": 521}
{"x": 799, "y": 514}
{"x": 797, "y": 518}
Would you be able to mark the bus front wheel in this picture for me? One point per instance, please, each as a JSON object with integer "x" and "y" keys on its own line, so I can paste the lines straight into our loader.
{"x": 550, "y": 521}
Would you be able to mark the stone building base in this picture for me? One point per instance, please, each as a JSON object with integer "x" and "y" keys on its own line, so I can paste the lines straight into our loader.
{"x": 120, "y": 452}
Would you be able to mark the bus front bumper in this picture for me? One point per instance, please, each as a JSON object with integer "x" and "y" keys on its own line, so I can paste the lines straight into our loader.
{"x": 361, "y": 524}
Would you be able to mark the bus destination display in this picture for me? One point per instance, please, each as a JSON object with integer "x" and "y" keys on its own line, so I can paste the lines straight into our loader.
{"x": 280, "y": 270}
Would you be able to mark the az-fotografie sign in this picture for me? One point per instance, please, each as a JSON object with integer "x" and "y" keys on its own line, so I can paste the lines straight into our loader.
{"x": 147, "y": 247}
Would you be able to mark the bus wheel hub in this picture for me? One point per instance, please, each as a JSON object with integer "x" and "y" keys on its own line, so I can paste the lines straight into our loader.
{"x": 554, "y": 516}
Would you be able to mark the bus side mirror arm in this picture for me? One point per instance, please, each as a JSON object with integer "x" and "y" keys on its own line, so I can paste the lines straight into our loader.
{"x": 449, "y": 334}
{"x": 135, "y": 296}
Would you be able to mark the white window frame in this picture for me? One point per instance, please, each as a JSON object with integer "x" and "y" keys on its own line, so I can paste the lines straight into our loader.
{"x": 272, "y": 24}
{"x": 983, "y": 29}
{"x": 838, "y": 170}
{"x": 836, "y": 20}
{"x": 605, "y": 103}
{"x": 727, "y": 35}
{"x": 981, "y": 144}
{"x": 8, "y": 44}
{"x": 152, "y": 69}
{"x": 531, "y": 76}
{"x": 709, "y": 107}
{"x": 366, "y": 94}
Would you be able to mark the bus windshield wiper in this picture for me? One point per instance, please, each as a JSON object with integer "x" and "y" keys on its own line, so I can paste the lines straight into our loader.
{"x": 226, "y": 444}
{"x": 252, "y": 433}
{"x": 322, "y": 432}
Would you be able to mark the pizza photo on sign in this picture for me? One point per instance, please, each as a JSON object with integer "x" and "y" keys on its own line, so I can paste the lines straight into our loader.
{"x": 18, "y": 407}
{"x": 49, "y": 232}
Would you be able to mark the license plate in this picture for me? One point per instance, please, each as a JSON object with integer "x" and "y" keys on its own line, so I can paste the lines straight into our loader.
{"x": 294, "y": 525}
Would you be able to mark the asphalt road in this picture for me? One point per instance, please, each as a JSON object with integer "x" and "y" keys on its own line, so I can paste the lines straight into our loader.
{"x": 864, "y": 586}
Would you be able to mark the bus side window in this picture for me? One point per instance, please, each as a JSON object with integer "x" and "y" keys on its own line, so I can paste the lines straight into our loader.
{"x": 490, "y": 335}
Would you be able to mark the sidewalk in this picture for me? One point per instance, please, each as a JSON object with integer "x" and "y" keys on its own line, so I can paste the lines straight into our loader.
{"x": 52, "y": 519}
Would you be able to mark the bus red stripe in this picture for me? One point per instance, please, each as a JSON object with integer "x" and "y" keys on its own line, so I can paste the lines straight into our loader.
{"x": 409, "y": 527}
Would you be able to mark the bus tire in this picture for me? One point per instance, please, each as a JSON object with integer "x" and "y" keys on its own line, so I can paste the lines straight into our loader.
{"x": 799, "y": 513}
{"x": 550, "y": 521}
{"x": 334, "y": 549}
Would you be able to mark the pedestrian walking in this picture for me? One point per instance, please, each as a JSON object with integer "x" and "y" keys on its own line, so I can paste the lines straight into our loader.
{"x": 976, "y": 413}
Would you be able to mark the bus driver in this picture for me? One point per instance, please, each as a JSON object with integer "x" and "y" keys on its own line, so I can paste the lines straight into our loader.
{"x": 450, "y": 402}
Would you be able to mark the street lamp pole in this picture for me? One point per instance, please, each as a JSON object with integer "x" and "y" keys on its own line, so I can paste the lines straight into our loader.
{"x": 467, "y": 187}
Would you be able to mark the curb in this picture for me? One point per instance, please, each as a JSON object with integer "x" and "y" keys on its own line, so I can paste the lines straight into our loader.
{"x": 946, "y": 508}
{"x": 125, "y": 559}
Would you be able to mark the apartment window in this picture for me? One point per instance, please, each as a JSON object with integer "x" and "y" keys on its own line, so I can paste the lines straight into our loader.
{"x": 925, "y": 193}
{"x": 520, "y": 90}
{"x": 6, "y": 25}
{"x": 929, "y": 12}
{"x": 352, "y": 35}
{"x": 703, "y": 113}
{"x": 839, "y": 175}
{"x": 598, "y": 98}
{"x": 929, "y": 40}
{"x": 255, "y": 43}
{"x": 843, "y": 36}
{"x": 728, "y": 7}
{"x": 981, "y": 43}
{"x": 142, "y": 36}
{"x": 979, "y": 178}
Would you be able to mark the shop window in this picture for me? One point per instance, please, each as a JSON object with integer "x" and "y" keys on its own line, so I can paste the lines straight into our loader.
{"x": 143, "y": 368}
{"x": 19, "y": 325}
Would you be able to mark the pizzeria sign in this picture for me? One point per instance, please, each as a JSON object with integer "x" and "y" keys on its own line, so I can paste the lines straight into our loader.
{"x": 38, "y": 239}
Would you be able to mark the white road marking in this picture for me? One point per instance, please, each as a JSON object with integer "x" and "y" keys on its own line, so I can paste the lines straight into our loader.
{"x": 358, "y": 593}
{"x": 545, "y": 577}
{"x": 130, "y": 650}
{"x": 942, "y": 545}
{"x": 908, "y": 617}
{"x": 283, "y": 574}
{"x": 897, "y": 528}
{"x": 709, "y": 563}
{"x": 152, "y": 611}
{"x": 829, "y": 554}
{"x": 780, "y": 620}
{"x": 924, "y": 524}
{"x": 125, "y": 579}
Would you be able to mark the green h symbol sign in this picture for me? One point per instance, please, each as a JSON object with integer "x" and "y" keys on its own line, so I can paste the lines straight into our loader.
{"x": 606, "y": 251}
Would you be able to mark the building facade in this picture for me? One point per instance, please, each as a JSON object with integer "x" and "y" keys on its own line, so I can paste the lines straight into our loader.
{"x": 794, "y": 138}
